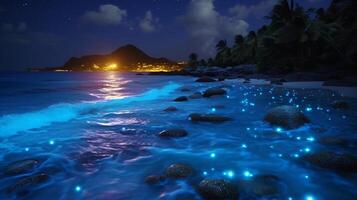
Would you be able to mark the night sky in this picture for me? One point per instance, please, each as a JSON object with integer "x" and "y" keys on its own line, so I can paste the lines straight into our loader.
{"x": 42, "y": 33}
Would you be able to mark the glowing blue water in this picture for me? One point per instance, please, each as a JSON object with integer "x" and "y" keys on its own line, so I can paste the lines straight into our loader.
{"x": 96, "y": 136}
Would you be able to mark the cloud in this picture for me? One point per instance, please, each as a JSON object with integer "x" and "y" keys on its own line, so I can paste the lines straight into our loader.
{"x": 206, "y": 26}
{"x": 148, "y": 23}
{"x": 9, "y": 27}
{"x": 258, "y": 10}
{"x": 107, "y": 15}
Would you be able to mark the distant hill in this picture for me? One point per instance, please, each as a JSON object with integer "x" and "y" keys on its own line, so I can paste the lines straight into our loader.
{"x": 125, "y": 58}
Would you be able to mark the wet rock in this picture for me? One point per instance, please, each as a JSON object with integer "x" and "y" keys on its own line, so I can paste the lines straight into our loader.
{"x": 217, "y": 189}
{"x": 154, "y": 179}
{"x": 178, "y": 171}
{"x": 212, "y": 118}
{"x": 286, "y": 116}
{"x": 196, "y": 95}
{"x": 21, "y": 166}
{"x": 185, "y": 89}
{"x": 180, "y": 99}
{"x": 170, "y": 109}
{"x": 334, "y": 141}
{"x": 173, "y": 133}
{"x": 205, "y": 79}
{"x": 263, "y": 185}
{"x": 340, "y": 105}
{"x": 27, "y": 182}
{"x": 343, "y": 163}
{"x": 213, "y": 92}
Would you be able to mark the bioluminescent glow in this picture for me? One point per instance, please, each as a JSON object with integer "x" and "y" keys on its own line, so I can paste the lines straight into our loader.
{"x": 78, "y": 188}
{"x": 247, "y": 174}
{"x": 213, "y": 155}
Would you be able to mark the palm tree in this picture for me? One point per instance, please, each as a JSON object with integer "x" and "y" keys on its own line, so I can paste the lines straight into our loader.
{"x": 193, "y": 60}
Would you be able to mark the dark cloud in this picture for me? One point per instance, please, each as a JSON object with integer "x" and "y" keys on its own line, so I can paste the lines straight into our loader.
{"x": 107, "y": 15}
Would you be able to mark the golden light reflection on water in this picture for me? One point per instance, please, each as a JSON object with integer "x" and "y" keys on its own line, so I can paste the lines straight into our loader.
{"x": 112, "y": 87}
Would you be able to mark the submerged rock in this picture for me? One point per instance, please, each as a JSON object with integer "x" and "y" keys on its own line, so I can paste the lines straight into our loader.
{"x": 213, "y": 92}
{"x": 205, "y": 79}
{"x": 263, "y": 185}
{"x": 171, "y": 109}
{"x": 154, "y": 179}
{"x": 343, "y": 163}
{"x": 217, "y": 189}
{"x": 286, "y": 116}
{"x": 178, "y": 171}
{"x": 196, "y": 95}
{"x": 27, "y": 182}
{"x": 21, "y": 166}
{"x": 180, "y": 99}
{"x": 173, "y": 133}
{"x": 340, "y": 105}
{"x": 212, "y": 118}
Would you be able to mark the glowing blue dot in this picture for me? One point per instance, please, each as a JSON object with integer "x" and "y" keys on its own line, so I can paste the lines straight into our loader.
{"x": 123, "y": 129}
{"x": 212, "y": 155}
{"x": 212, "y": 169}
{"x": 248, "y": 129}
{"x": 307, "y": 149}
{"x": 278, "y": 129}
{"x": 311, "y": 139}
{"x": 213, "y": 109}
{"x": 78, "y": 188}
{"x": 247, "y": 174}
{"x": 205, "y": 173}
{"x": 27, "y": 149}
{"x": 298, "y": 138}
{"x": 296, "y": 155}
{"x": 252, "y": 104}
{"x": 227, "y": 97}
{"x": 230, "y": 174}
{"x": 280, "y": 155}
{"x": 309, "y": 197}
{"x": 243, "y": 110}
{"x": 244, "y": 146}
{"x": 306, "y": 176}
{"x": 290, "y": 198}
{"x": 51, "y": 142}
{"x": 308, "y": 109}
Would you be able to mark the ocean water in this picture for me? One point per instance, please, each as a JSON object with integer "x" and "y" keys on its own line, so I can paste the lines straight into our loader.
{"x": 95, "y": 136}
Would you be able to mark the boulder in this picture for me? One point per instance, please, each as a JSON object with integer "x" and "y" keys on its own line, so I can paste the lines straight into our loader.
{"x": 205, "y": 79}
{"x": 23, "y": 184}
{"x": 180, "y": 99}
{"x": 196, "y": 95}
{"x": 217, "y": 189}
{"x": 214, "y": 92}
{"x": 287, "y": 117}
{"x": 340, "y": 105}
{"x": 343, "y": 163}
{"x": 154, "y": 179}
{"x": 177, "y": 171}
{"x": 170, "y": 109}
{"x": 173, "y": 133}
{"x": 21, "y": 166}
{"x": 212, "y": 118}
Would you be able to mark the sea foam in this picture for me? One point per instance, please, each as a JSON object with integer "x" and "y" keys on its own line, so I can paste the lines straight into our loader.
{"x": 15, "y": 123}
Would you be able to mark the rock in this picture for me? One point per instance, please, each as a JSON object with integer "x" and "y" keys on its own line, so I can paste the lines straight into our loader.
{"x": 221, "y": 78}
{"x": 217, "y": 189}
{"x": 178, "y": 171}
{"x": 171, "y": 109}
{"x": 205, "y": 80}
{"x": 154, "y": 179}
{"x": 21, "y": 166}
{"x": 340, "y": 105}
{"x": 212, "y": 118}
{"x": 180, "y": 99}
{"x": 335, "y": 141}
{"x": 173, "y": 133}
{"x": 27, "y": 182}
{"x": 185, "y": 89}
{"x": 263, "y": 185}
{"x": 277, "y": 81}
{"x": 343, "y": 163}
{"x": 285, "y": 116}
{"x": 213, "y": 92}
{"x": 196, "y": 95}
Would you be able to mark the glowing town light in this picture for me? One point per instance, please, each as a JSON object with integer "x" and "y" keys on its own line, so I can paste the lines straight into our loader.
{"x": 78, "y": 188}
{"x": 212, "y": 155}
{"x": 111, "y": 67}
{"x": 51, "y": 142}
{"x": 247, "y": 174}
